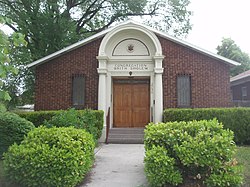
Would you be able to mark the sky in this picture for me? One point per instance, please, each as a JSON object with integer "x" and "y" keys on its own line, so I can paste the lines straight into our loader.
{"x": 214, "y": 19}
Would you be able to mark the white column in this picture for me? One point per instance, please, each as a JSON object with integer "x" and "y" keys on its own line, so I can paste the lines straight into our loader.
{"x": 102, "y": 85}
{"x": 158, "y": 89}
{"x": 102, "y": 71}
{"x": 102, "y": 90}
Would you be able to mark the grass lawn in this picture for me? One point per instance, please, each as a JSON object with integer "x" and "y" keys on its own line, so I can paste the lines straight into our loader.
{"x": 243, "y": 157}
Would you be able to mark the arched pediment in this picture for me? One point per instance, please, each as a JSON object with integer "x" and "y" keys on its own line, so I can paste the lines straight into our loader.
{"x": 131, "y": 47}
{"x": 130, "y": 40}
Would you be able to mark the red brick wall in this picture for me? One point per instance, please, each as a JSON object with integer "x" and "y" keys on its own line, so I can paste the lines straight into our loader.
{"x": 210, "y": 84}
{"x": 209, "y": 77}
{"x": 53, "y": 89}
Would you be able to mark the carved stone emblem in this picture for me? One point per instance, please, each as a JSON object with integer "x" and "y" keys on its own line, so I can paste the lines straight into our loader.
{"x": 130, "y": 48}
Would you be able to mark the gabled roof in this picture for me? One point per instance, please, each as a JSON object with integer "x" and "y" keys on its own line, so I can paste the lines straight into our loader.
{"x": 100, "y": 34}
{"x": 243, "y": 75}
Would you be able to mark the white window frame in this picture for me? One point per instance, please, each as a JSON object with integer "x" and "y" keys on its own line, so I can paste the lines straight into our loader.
{"x": 244, "y": 92}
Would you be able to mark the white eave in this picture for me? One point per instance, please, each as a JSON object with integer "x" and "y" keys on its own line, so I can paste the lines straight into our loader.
{"x": 102, "y": 33}
{"x": 241, "y": 78}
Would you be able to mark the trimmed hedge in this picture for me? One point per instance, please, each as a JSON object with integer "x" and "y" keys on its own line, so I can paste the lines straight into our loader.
{"x": 38, "y": 117}
{"x": 160, "y": 168}
{"x": 197, "y": 152}
{"x": 91, "y": 118}
{"x": 57, "y": 157}
{"x": 235, "y": 119}
{"x": 13, "y": 128}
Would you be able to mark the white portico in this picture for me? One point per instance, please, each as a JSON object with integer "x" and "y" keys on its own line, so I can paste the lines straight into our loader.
{"x": 130, "y": 54}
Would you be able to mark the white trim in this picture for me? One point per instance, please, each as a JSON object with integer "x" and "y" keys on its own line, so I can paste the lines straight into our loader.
{"x": 194, "y": 47}
{"x": 238, "y": 78}
{"x": 130, "y": 26}
{"x": 240, "y": 81}
{"x": 110, "y": 64}
{"x": 162, "y": 34}
{"x": 69, "y": 48}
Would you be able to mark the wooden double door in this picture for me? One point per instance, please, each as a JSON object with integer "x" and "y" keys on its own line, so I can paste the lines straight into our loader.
{"x": 131, "y": 106}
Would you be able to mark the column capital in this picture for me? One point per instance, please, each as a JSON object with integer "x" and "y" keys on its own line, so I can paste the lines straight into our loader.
{"x": 102, "y": 64}
{"x": 102, "y": 57}
{"x": 158, "y": 70}
{"x": 102, "y": 71}
{"x": 158, "y": 62}
{"x": 159, "y": 57}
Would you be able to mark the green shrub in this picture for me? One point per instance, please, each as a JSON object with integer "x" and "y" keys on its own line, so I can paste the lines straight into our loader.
{"x": 226, "y": 176}
{"x": 50, "y": 157}
{"x": 90, "y": 120}
{"x": 38, "y": 117}
{"x": 160, "y": 168}
{"x": 12, "y": 130}
{"x": 235, "y": 119}
{"x": 202, "y": 150}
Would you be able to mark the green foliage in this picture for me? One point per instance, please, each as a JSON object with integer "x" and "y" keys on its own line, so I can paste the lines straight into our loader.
{"x": 18, "y": 85}
{"x": 16, "y": 39}
{"x": 160, "y": 168}
{"x": 235, "y": 119}
{"x": 38, "y": 117}
{"x": 63, "y": 22}
{"x": 12, "y": 130}
{"x": 202, "y": 150}
{"x": 50, "y": 157}
{"x": 229, "y": 175}
{"x": 53, "y": 25}
{"x": 230, "y": 50}
{"x": 89, "y": 120}
{"x": 242, "y": 156}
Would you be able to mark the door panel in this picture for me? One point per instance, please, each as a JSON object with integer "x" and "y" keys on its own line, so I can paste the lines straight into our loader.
{"x": 140, "y": 114}
{"x": 122, "y": 105}
{"x": 131, "y": 104}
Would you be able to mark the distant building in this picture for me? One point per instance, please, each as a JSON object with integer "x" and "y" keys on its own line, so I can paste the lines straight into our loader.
{"x": 26, "y": 107}
{"x": 240, "y": 89}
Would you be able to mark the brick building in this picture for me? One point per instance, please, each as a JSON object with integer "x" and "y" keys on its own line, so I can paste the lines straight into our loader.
{"x": 240, "y": 89}
{"x": 135, "y": 71}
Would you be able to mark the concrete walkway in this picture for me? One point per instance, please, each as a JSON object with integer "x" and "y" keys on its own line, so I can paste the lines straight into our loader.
{"x": 118, "y": 165}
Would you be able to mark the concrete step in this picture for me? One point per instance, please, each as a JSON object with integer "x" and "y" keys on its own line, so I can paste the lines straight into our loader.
{"x": 125, "y": 140}
{"x": 127, "y": 130}
{"x": 126, "y": 135}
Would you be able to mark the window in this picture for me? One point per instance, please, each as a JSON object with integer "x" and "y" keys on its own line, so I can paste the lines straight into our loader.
{"x": 244, "y": 92}
{"x": 78, "y": 91}
{"x": 183, "y": 91}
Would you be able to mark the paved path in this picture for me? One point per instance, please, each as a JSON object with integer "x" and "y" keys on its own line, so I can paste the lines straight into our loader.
{"x": 118, "y": 165}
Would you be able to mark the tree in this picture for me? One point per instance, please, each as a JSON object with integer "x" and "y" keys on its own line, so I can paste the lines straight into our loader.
{"x": 6, "y": 67}
{"x": 50, "y": 25}
{"x": 18, "y": 85}
{"x": 232, "y": 51}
